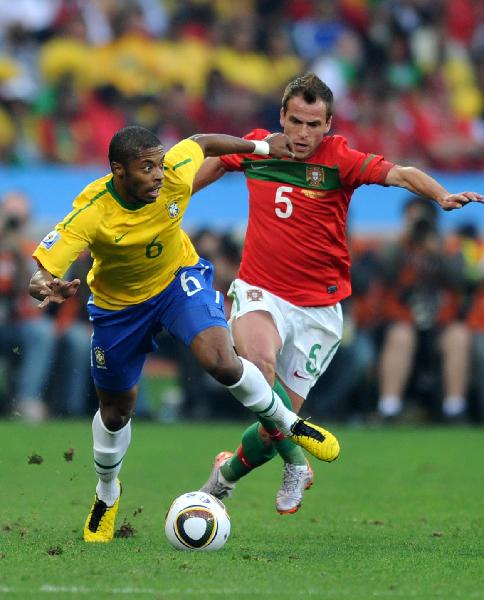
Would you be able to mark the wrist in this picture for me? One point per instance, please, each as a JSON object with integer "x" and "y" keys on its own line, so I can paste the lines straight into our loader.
{"x": 261, "y": 147}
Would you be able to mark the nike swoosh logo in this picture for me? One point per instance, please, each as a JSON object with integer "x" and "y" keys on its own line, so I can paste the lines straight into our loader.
{"x": 259, "y": 166}
{"x": 117, "y": 238}
{"x": 299, "y": 376}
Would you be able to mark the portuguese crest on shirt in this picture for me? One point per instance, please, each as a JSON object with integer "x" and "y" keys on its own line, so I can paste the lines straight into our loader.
{"x": 254, "y": 295}
{"x": 314, "y": 175}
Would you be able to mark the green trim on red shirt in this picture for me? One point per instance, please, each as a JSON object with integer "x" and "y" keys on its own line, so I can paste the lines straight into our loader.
{"x": 300, "y": 174}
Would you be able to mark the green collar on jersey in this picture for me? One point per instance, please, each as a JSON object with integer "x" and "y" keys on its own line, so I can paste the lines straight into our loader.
{"x": 300, "y": 174}
{"x": 119, "y": 200}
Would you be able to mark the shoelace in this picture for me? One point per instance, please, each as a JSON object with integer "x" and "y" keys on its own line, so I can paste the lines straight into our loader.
{"x": 221, "y": 488}
{"x": 291, "y": 479}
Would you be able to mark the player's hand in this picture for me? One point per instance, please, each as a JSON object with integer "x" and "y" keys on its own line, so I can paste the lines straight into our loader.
{"x": 280, "y": 145}
{"x": 453, "y": 201}
{"x": 57, "y": 291}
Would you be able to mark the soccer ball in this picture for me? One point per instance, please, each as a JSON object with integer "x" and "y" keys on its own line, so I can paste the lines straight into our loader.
{"x": 197, "y": 521}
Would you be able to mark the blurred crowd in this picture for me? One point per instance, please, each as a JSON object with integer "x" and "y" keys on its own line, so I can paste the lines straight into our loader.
{"x": 412, "y": 350}
{"x": 408, "y": 78}
{"x": 408, "y": 75}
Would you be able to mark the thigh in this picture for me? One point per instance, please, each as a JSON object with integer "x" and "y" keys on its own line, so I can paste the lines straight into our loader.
{"x": 255, "y": 336}
{"x": 248, "y": 299}
{"x": 191, "y": 304}
{"x": 313, "y": 339}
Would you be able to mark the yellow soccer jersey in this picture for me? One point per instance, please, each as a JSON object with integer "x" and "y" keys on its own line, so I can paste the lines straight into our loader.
{"x": 136, "y": 248}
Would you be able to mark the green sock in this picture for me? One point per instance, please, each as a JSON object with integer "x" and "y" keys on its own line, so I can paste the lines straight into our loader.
{"x": 288, "y": 451}
{"x": 252, "y": 453}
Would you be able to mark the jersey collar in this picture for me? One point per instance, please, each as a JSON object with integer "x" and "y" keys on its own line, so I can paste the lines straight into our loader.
{"x": 119, "y": 200}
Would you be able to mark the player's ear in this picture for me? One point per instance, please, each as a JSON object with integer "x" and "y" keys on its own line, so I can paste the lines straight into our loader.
{"x": 117, "y": 168}
{"x": 328, "y": 124}
{"x": 282, "y": 117}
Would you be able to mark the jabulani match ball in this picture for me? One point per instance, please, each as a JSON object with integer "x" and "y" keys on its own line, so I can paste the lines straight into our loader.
{"x": 197, "y": 521}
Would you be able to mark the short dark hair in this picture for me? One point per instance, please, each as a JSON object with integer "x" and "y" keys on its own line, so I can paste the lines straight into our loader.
{"x": 127, "y": 143}
{"x": 311, "y": 88}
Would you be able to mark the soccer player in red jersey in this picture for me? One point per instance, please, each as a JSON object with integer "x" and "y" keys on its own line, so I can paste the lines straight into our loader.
{"x": 295, "y": 269}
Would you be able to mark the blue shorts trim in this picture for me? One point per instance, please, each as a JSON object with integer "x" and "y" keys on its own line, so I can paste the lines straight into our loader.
{"x": 122, "y": 339}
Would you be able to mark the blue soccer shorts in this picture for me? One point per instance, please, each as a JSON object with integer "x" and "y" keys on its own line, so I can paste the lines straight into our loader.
{"x": 121, "y": 339}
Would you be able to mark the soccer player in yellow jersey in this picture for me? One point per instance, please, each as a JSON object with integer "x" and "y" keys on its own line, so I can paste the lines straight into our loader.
{"x": 147, "y": 276}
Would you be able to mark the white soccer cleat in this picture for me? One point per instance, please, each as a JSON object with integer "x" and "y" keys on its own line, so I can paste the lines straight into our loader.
{"x": 216, "y": 484}
{"x": 297, "y": 478}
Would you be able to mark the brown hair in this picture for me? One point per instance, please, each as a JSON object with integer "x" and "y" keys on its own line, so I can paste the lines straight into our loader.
{"x": 311, "y": 88}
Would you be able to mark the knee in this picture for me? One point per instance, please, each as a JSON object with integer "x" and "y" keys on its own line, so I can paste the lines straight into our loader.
{"x": 268, "y": 368}
{"x": 116, "y": 409}
{"x": 114, "y": 418}
{"x": 457, "y": 338}
{"x": 401, "y": 335}
{"x": 226, "y": 370}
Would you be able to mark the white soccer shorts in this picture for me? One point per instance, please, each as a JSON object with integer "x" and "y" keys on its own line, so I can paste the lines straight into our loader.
{"x": 310, "y": 335}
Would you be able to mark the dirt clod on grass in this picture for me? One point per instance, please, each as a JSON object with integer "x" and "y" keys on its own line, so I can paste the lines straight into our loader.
{"x": 55, "y": 551}
{"x": 35, "y": 459}
{"x": 125, "y": 531}
{"x": 69, "y": 455}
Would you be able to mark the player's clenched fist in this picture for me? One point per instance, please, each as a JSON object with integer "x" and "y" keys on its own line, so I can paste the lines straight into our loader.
{"x": 280, "y": 146}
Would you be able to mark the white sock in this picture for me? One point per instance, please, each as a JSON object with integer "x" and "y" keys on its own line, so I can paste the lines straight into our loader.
{"x": 453, "y": 406}
{"x": 253, "y": 391}
{"x": 109, "y": 449}
{"x": 389, "y": 405}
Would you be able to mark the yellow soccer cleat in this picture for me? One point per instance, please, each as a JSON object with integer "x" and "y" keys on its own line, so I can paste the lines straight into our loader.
{"x": 317, "y": 441}
{"x": 99, "y": 526}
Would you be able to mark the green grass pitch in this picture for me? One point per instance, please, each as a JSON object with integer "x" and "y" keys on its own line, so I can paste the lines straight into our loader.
{"x": 399, "y": 516}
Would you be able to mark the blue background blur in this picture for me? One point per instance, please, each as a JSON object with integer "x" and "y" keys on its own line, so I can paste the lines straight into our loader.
{"x": 374, "y": 209}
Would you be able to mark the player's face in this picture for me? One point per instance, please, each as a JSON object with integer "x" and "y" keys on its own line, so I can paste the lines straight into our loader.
{"x": 142, "y": 178}
{"x": 305, "y": 125}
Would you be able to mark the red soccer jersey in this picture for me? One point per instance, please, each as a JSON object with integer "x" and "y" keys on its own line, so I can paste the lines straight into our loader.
{"x": 295, "y": 246}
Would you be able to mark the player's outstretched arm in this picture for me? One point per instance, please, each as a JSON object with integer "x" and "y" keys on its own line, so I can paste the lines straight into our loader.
{"x": 47, "y": 288}
{"x": 276, "y": 145}
{"x": 420, "y": 183}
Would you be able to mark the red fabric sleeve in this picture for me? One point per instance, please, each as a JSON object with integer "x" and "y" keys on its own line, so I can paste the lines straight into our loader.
{"x": 233, "y": 162}
{"x": 357, "y": 168}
